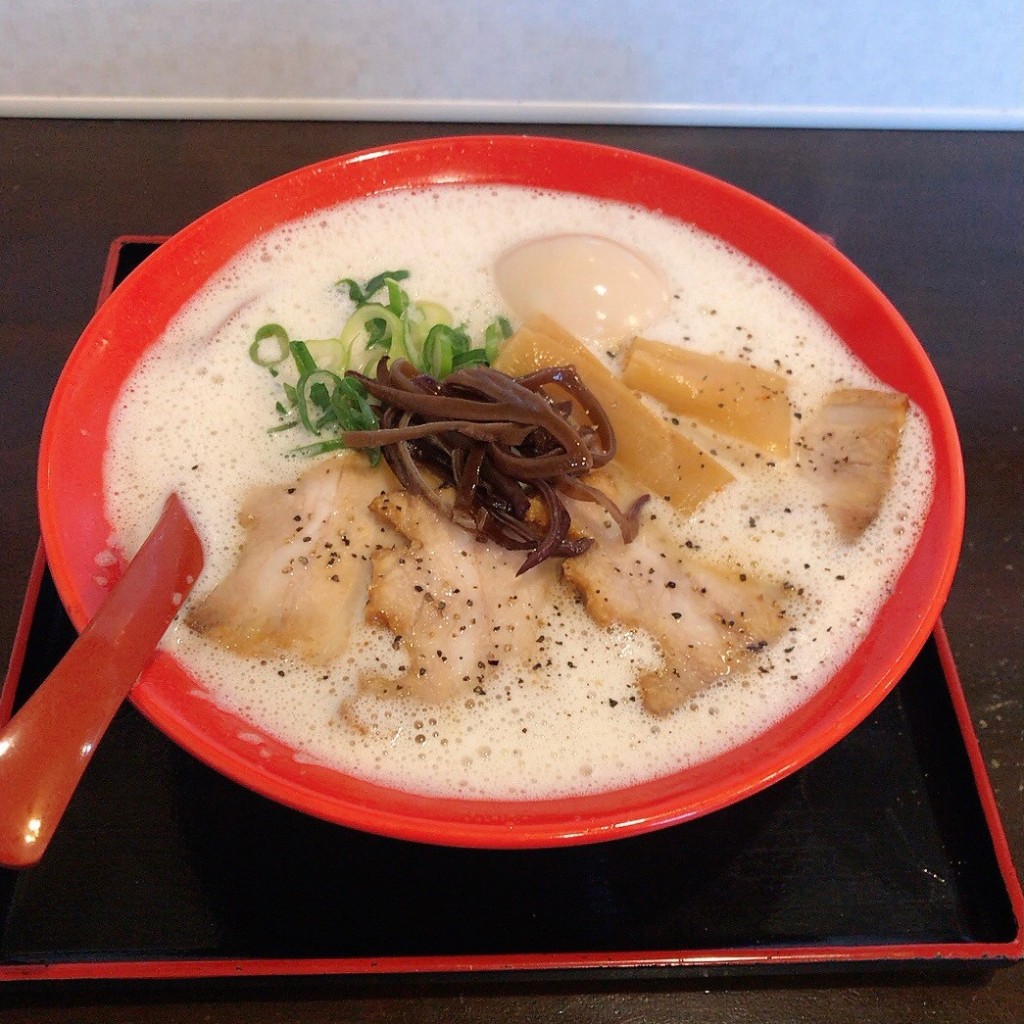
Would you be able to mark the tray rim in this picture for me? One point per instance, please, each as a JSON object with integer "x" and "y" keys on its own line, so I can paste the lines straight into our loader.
{"x": 992, "y": 953}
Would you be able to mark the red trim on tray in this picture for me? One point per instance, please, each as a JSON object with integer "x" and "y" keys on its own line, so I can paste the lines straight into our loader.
{"x": 983, "y": 785}
{"x": 17, "y": 659}
{"x": 779, "y": 956}
{"x": 110, "y": 268}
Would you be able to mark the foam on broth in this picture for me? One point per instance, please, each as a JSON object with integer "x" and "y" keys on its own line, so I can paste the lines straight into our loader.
{"x": 194, "y": 417}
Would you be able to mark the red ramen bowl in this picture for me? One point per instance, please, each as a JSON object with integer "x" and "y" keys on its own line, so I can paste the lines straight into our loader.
{"x": 75, "y": 527}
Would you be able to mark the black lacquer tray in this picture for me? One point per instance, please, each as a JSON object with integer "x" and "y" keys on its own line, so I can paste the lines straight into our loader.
{"x": 886, "y": 849}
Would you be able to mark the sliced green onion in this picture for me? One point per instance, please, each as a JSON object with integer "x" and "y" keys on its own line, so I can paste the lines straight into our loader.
{"x": 328, "y": 353}
{"x": 398, "y": 301}
{"x": 314, "y": 392}
{"x": 320, "y": 447}
{"x": 344, "y": 403}
{"x": 369, "y": 368}
{"x": 471, "y": 357}
{"x": 362, "y": 294}
{"x": 325, "y": 398}
{"x": 363, "y": 332}
{"x": 378, "y": 332}
{"x": 497, "y": 331}
{"x": 262, "y": 352}
{"x": 437, "y": 353}
{"x": 420, "y": 319}
{"x": 304, "y": 362}
{"x": 351, "y": 405}
{"x": 440, "y": 349}
{"x": 431, "y": 313}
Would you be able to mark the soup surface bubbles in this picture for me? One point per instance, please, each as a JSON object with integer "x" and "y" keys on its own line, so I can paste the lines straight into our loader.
{"x": 194, "y": 415}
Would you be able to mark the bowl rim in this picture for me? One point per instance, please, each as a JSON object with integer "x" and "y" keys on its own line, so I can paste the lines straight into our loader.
{"x": 818, "y": 272}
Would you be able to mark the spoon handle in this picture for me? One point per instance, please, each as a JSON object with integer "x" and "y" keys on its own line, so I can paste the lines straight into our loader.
{"x": 46, "y": 746}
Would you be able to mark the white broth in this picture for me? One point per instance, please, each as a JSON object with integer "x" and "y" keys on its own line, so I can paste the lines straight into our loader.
{"x": 194, "y": 417}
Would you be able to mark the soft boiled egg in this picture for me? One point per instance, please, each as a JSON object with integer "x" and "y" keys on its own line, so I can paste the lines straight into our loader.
{"x": 594, "y": 287}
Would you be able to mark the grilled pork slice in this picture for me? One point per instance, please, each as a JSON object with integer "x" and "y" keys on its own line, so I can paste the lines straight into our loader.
{"x": 850, "y": 446}
{"x": 708, "y": 621}
{"x": 455, "y": 605}
{"x": 300, "y": 582}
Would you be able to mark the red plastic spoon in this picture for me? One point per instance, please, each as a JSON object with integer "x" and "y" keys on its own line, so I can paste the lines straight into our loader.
{"x": 46, "y": 746}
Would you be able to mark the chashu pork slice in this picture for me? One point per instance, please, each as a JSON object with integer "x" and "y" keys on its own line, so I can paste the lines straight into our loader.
{"x": 850, "y": 447}
{"x": 457, "y": 609}
{"x": 708, "y": 621}
{"x": 300, "y": 581}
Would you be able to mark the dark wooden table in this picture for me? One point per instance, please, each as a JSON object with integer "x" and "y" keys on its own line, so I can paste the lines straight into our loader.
{"x": 935, "y": 219}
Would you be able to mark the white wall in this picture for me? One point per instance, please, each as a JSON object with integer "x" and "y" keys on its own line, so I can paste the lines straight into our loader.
{"x": 873, "y": 63}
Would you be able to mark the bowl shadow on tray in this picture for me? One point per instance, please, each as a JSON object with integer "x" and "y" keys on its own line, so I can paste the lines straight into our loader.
{"x": 283, "y": 883}
{"x": 880, "y": 840}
